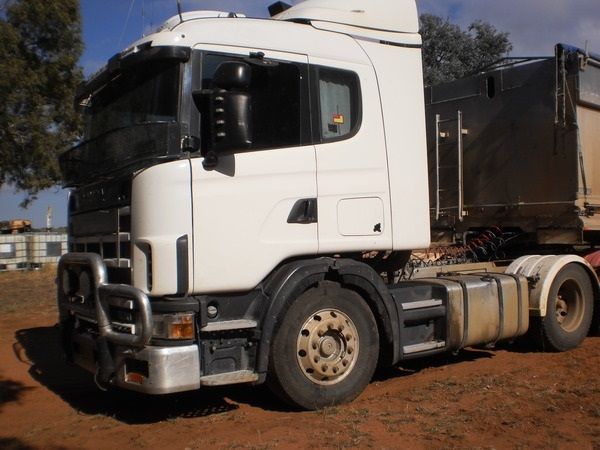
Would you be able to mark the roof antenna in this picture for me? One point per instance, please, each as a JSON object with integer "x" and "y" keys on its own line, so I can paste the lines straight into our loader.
{"x": 179, "y": 10}
{"x": 126, "y": 22}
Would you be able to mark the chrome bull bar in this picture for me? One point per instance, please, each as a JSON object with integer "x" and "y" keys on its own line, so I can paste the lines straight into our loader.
{"x": 105, "y": 295}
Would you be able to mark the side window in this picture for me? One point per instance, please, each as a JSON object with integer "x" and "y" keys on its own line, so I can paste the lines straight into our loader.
{"x": 339, "y": 103}
{"x": 279, "y": 100}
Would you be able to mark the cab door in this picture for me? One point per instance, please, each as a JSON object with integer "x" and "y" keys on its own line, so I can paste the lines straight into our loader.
{"x": 253, "y": 209}
{"x": 352, "y": 171}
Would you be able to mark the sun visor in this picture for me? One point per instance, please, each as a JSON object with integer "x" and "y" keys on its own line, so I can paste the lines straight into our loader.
{"x": 128, "y": 59}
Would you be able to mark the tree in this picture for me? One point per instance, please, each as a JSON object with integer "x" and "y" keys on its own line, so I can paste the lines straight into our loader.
{"x": 450, "y": 52}
{"x": 40, "y": 44}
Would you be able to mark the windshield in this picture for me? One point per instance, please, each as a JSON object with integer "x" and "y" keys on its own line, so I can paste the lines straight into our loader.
{"x": 147, "y": 95}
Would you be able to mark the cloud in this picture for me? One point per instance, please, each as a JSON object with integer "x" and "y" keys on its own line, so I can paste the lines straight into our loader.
{"x": 534, "y": 25}
{"x": 437, "y": 7}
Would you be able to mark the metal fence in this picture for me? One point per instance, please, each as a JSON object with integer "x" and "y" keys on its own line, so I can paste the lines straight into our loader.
{"x": 31, "y": 250}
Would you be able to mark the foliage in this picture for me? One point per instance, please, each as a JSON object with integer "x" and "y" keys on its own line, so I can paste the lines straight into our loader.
{"x": 40, "y": 44}
{"x": 450, "y": 52}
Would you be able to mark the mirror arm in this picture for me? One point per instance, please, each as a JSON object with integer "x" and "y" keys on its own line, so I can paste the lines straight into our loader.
{"x": 211, "y": 160}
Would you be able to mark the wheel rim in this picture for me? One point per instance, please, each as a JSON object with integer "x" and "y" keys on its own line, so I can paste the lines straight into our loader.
{"x": 569, "y": 306}
{"x": 327, "y": 346}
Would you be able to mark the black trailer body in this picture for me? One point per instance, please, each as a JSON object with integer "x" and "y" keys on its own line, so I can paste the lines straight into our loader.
{"x": 518, "y": 147}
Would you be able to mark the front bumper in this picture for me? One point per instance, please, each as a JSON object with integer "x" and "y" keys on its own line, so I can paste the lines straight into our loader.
{"x": 170, "y": 369}
{"x": 163, "y": 370}
{"x": 118, "y": 353}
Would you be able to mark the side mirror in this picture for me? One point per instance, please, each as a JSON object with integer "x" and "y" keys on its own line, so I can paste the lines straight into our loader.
{"x": 226, "y": 111}
{"x": 233, "y": 76}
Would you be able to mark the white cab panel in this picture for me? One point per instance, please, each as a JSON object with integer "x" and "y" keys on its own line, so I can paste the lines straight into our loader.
{"x": 161, "y": 209}
{"x": 240, "y": 216}
{"x": 400, "y": 79}
{"x": 368, "y": 33}
{"x": 352, "y": 169}
{"x": 264, "y": 34}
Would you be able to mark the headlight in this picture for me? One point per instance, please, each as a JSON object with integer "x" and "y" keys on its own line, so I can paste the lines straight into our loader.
{"x": 174, "y": 326}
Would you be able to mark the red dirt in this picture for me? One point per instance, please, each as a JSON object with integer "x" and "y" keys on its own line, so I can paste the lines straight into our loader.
{"x": 504, "y": 398}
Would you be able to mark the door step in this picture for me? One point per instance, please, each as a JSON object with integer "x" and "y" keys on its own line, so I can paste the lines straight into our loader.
{"x": 423, "y": 347}
{"x": 226, "y": 325}
{"x": 421, "y": 304}
{"x": 220, "y": 379}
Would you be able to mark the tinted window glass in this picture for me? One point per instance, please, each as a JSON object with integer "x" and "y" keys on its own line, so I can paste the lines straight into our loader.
{"x": 145, "y": 96}
{"x": 339, "y": 104}
{"x": 280, "y": 116}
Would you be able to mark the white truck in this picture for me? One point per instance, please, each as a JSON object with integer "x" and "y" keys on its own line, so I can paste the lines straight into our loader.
{"x": 236, "y": 178}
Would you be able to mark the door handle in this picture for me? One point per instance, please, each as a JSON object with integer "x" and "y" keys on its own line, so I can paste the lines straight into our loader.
{"x": 304, "y": 211}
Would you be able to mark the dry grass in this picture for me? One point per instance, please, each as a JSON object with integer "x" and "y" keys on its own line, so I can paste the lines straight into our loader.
{"x": 23, "y": 290}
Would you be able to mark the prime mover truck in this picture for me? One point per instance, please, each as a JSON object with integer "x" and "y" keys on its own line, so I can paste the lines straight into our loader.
{"x": 246, "y": 196}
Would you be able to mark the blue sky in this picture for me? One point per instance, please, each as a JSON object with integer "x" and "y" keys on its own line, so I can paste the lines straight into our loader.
{"x": 109, "y": 26}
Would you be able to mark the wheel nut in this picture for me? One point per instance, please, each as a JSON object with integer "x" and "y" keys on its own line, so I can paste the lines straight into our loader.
{"x": 344, "y": 363}
{"x": 348, "y": 337}
{"x": 324, "y": 368}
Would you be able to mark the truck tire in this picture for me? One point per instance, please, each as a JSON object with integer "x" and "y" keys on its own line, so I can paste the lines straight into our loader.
{"x": 569, "y": 311}
{"x": 325, "y": 349}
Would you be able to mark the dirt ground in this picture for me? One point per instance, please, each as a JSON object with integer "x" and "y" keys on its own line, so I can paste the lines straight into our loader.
{"x": 509, "y": 397}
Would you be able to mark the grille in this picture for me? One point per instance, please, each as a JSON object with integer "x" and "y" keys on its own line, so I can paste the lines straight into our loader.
{"x": 107, "y": 233}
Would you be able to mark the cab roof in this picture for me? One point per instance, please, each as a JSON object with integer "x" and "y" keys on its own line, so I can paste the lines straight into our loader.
{"x": 399, "y": 16}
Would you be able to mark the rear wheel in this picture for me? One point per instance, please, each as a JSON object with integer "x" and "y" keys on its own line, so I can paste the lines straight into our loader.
{"x": 325, "y": 350}
{"x": 569, "y": 311}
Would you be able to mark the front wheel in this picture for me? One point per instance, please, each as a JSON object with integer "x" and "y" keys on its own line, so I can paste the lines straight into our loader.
{"x": 325, "y": 350}
{"x": 569, "y": 311}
